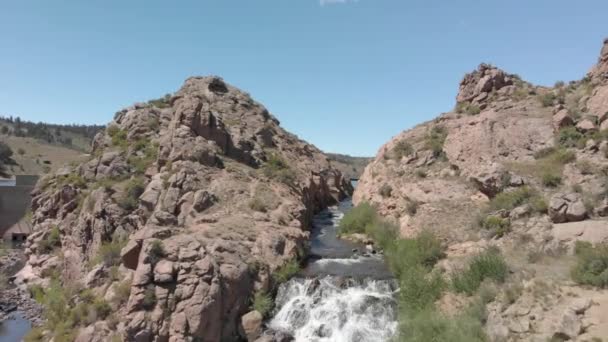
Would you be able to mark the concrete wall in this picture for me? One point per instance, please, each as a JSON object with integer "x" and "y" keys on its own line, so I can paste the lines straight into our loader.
{"x": 14, "y": 203}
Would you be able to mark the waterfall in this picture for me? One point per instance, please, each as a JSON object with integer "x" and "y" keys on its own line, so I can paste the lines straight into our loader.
{"x": 336, "y": 309}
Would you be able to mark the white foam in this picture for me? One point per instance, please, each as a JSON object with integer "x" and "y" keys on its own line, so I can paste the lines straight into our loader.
{"x": 324, "y": 312}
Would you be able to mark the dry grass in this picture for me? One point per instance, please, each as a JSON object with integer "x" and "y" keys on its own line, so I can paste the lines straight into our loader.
{"x": 32, "y": 161}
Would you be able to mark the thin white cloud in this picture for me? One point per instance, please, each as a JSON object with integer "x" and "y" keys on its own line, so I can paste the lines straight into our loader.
{"x": 334, "y": 2}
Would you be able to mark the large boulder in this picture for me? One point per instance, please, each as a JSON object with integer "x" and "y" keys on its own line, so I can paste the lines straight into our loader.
{"x": 251, "y": 324}
{"x": 567, "y": 207}
{"x": 562, "y": 119}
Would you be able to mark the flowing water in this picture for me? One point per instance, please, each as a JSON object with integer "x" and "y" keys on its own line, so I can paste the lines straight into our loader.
{"x": 14, "y": 328}
{"x": 344, "y": 294}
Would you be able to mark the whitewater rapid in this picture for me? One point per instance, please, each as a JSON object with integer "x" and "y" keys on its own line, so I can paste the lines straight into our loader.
{"x": 337, "y": 310}
{"x": 342, "y": 295}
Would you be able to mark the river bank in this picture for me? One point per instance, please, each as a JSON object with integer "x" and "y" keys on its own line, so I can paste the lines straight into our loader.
{"x": 18, "y": 311}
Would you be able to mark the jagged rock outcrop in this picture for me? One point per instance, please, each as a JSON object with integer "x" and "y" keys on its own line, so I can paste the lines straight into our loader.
{"x": 514, "y": 166}
{"x": 476, "y": 86}
{"x": 207, "y": 196}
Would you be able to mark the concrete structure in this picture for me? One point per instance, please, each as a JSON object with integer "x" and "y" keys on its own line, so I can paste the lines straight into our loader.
{"x": 15, "y": 202}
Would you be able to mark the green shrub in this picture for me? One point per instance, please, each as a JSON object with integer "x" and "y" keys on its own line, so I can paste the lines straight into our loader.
{"x": 34, "y": 335}
{"x": 285, "y": 272}
{"x": 262, "y": 302}
{"x": 385, "y": 190}
{"x": 496, "y": 225}
{"x": 109, "y": 252}
{"x": 156, "y": 252}
{"x": 419, "y": 288}
{"x": 569, "y": 137}
{"x": 433, "y": 326}
{"x": 512, "y": 199}
{"x": 149, "y": 300}
{"x": 276, "y": 168}
{"x": 551, "y": 180}
{"x": 66, "y": 309}
{"x": 423, "y": 250}
{"x": 52, "y": 241}
{"x": 355, "y": 220}
{"x": 420, "y": 173}
{"x": 118, "y": 136}
{"x": 257, "y": 204}
{"x": 435, "y": 139}
{"x": 402, "y": 149}
{"x": 467, "y": 108}
{"x": 140, "y": 163}
{"x": 592, "y": 264}
{"x": 122, "y": 291}
{"x": 538, "y": 204}
{"x": 411, "y": 207}
{"x": 162, "y": 102}
{"x": 547, "y": 99}
{"x": 487, "y": 265}
{"x": 585, "y": 167}
{"x": 133, "y": 189}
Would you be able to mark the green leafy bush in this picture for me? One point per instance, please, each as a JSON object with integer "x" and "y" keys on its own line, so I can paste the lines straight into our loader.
{"x": 512, "y": 199}
{"x": 496, "y": 225}
{"x": 162, "y": 102}
{"x": 149, "y": 300}
{"x": 592, "y": 264}
{"x": 487, "y": 265}
{"x": 156, "y": 252}
{"x": 109, "y": 252}
{"x": 402, "y": 149}
{"x": 569, "y": 137}
{"x": 435, "y": 139}
{"x": 357, "y": 219}
{"x": 52, "y": 241}
{"x": 257, "y": 204}
{"x": 118, "y": 136}
{"x": 547, "y": 99}
{"x": 276, "y": 168}
{"x": 288, "y": 270}
{"x": 133, "y": 189}
{"x": 419, "y": 288}
{"x": 262, "y": 302}
{"x": 467, "y": 108}
{"x": 550, "y": 179}
{"x": 122, "y": 291}
{"x": 385, "y": 190}
{"x": 66, "y": 309}
{"x": 423, "y": 250}
{"x": 432, "y": 326}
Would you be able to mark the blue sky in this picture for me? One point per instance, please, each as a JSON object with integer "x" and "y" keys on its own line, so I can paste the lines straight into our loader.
{"x": 344, "y": 75}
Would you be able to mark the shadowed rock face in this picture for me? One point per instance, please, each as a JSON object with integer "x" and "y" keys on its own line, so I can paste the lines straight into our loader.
{"x": 441, "y": 175}
{"x": 207, "y": 194}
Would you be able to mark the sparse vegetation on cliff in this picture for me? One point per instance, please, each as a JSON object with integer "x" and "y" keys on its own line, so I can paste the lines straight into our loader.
{"x": 592, "y": 264}
{"x": 489, "y": 264}
{"x": 67, "y": 308}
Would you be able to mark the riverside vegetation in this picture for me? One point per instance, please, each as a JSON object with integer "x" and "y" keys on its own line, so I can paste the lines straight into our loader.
{"x": 421, "y": 285}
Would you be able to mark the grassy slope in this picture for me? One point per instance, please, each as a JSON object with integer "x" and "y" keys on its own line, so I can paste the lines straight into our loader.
{"x": 36, "y": 153}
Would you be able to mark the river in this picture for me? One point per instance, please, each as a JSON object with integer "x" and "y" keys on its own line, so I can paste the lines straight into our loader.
{"x": 344, "y": 294}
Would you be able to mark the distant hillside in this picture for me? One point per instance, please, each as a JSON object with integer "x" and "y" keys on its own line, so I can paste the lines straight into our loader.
{"x": 39, "y": 148}
{"x": 73, "y": 136}
{"x": 351, "y": 167}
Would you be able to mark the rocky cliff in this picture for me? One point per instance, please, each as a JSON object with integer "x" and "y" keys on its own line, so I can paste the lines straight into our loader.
{"x": 517, "y": 166}
{"x": 187, "y": 208}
